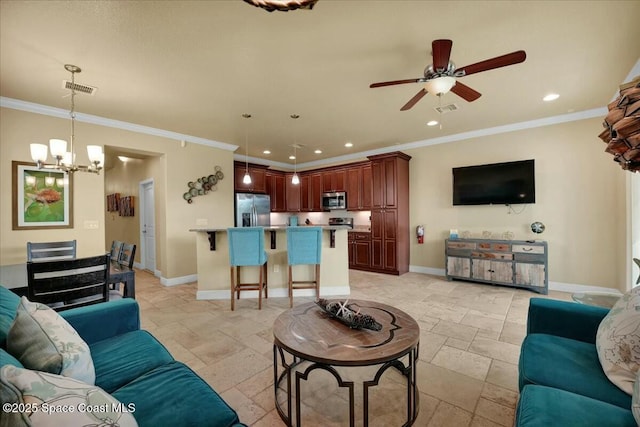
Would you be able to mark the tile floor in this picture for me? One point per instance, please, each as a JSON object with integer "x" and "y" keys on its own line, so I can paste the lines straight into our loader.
{"x": 469, "y": 344}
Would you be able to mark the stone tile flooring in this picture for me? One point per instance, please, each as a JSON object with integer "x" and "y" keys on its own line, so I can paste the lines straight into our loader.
{"x": 469, "y": 345}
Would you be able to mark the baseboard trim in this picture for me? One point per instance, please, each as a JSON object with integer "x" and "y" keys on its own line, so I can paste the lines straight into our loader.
{"x": 427, "y": 270}
{"x": 553, "y": 286}
{"x": 573, "y": 287}
{"x": 276, "y": 293}
{"x": 178, "y": 280}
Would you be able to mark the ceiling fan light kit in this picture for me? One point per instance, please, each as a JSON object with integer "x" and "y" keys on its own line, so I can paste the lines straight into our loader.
{"x": 442, "y": 76}
{"x": 440, "y": 85}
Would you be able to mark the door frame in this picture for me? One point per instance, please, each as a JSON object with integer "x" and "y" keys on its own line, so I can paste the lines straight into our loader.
{"x": 143, "y": 209}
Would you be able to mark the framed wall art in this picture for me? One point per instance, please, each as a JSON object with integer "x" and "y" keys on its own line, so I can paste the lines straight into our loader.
{"x": 41, "y": 198}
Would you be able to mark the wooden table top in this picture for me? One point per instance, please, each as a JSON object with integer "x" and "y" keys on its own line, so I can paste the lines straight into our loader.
{"x": 310, "y": 333}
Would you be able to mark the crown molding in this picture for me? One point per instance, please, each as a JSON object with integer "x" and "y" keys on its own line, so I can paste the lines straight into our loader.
{"x": 17, "y": 104}
{"x": 32, "y": 107}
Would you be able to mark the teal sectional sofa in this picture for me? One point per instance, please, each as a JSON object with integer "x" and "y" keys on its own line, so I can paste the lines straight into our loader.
{"x": 561, "y": 380}
{"x": 134, "y": 367}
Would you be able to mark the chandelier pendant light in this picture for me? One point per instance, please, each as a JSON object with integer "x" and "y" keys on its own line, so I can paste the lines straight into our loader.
{"x": 247, "y": 178}
{"x": 66, "y": 160}
{"x": 295, "y": 180}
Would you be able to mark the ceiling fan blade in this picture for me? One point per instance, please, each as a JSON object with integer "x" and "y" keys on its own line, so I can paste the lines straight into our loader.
{"x": 441, "y": 50}
{"x": 393, "y": 82}
{"x": 418, "y": 96}
{"x": 465, "y": 92}
{"x": 497, "y": 62}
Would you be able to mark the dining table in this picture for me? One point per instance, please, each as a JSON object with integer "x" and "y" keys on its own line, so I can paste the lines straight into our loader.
{"x": 14, "y": 277}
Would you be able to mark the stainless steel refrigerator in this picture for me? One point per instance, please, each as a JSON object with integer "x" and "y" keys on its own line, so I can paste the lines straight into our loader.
{"x": 253, "y": 210}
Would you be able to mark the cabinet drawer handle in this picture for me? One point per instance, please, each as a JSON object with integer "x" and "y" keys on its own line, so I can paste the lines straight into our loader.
{"x": 527, "y": 250}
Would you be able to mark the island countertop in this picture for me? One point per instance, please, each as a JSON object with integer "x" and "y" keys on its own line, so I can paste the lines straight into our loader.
{"x": 279, "y": 227}
{"x": 213, "y": 263}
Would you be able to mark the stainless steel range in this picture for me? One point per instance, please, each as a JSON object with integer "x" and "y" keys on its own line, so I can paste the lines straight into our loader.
{"x": 341, "y": 221}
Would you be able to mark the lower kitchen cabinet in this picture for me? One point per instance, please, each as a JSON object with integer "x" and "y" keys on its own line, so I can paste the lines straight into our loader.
{"x": 359, "y": 250}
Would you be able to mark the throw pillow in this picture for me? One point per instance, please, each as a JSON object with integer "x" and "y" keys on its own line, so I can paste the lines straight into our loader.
{"x": 618, "y": 341}
{"x": 43, "y": 341}
{"x": 32, "y": 398}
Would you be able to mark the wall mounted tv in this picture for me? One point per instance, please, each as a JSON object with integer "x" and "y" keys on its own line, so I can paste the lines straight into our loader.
{"x": 498, "y": 183}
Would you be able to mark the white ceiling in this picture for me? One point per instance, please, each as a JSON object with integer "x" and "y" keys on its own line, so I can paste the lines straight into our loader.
{"x": 194, "y": 67}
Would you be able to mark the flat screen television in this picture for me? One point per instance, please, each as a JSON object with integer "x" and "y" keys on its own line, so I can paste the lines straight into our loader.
{"x": 498, "y": 183}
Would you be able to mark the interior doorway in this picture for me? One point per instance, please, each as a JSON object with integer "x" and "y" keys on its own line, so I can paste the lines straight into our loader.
{"x": 147, "y": 226}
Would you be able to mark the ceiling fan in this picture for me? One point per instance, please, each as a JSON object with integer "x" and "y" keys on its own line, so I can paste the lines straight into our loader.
{"x": 441, "y": 76}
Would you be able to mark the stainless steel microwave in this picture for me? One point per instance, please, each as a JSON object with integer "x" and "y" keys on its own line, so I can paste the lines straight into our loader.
{"x": 337, "y": 200}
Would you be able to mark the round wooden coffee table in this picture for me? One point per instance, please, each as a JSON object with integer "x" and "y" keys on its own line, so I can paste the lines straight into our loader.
{"x": 306, "y": 339}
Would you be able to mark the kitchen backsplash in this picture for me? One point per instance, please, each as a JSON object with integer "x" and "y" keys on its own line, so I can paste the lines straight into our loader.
{"x": 361, "y": 219}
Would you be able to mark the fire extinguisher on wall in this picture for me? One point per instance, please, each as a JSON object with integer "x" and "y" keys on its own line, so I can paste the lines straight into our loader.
{"x": 420, "y": 234}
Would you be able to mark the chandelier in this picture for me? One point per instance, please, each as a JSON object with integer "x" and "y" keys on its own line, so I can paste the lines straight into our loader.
{"x": 66, "y": 160}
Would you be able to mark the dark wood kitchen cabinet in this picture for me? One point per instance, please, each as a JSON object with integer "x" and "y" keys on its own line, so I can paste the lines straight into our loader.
{"x": 305, "y": 192}
{"x": 258, "y": 175}
{"x": 292, "y": 192}
{"x": 315, "y": 192}
{"x": 359, "y": 187}
{"x": 276, "y": 190}
{"x": 359, "y": 250}
{"x": 334, "y": 180}
{"x": 390, "y": 232}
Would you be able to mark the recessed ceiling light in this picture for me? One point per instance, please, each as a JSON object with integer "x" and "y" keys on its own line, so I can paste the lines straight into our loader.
{"x": 266, "y": 152}
{"x": 318, "y": 151}
{"x": 292, "y": 157}
{"x": 348, "y": 145}
{"x": 432, "y": 123}
{"x": 551, "y": 97}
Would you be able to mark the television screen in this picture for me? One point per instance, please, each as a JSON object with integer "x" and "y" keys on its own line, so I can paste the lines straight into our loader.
{"x": 498, "y": 183}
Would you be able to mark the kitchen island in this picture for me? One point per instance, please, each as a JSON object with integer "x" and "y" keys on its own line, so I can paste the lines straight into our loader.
{"x": 213, "y": 264}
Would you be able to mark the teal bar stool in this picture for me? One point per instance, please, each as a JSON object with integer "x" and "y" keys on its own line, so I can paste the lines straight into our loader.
{"x": 246, "y": 248}
{"x": 304, "y": 246}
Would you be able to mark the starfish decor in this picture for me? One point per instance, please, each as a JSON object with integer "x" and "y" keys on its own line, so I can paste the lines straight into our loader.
{"x": 344, "y": 312}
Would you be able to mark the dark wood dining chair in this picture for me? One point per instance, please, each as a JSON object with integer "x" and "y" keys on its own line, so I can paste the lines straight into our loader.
{"x": 127, "y": 254}
{"x": 125, "y": 258}
{"x": 116, "y": 247}
{"x": 51, "y": 251}
{"x": 67, "y": 284}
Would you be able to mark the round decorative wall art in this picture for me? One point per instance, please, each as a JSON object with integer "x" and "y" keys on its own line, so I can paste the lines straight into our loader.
{"x": 537, "y": 227}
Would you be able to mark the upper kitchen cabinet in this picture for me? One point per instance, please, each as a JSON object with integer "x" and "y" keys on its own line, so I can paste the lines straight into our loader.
{"x": 292, "y": 192}
{"x": 334, "y": 180}
{"x": 359, "y": 187}
{"x": 390, "y": 175}
{"x": 311, "y": 192}
{"x": 258, "y": 178}
{"x": 276, "y": 189}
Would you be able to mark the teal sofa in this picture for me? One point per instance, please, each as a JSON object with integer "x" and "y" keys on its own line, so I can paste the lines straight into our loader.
{"x": 133, "y": 366}
{"x": 561, "y": 380}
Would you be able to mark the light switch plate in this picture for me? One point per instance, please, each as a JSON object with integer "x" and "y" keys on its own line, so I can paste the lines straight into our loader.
{"x": 91, "y": 225}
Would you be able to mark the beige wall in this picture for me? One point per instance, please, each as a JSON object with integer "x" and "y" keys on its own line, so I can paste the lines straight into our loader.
{"x": 176, "y": 166}
{"x": 580, "y": 197}
{"x": 124, "y": 178}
